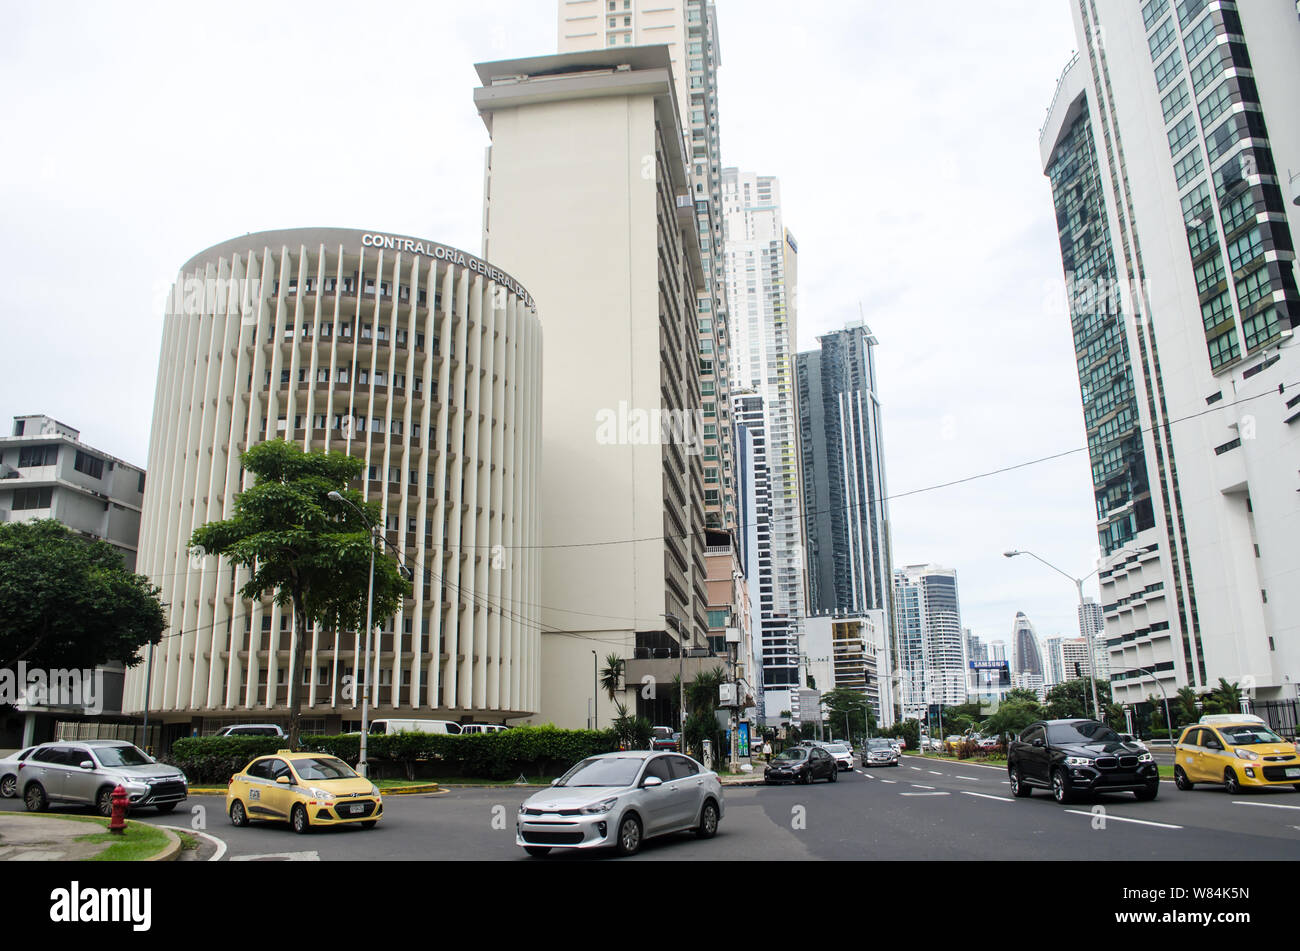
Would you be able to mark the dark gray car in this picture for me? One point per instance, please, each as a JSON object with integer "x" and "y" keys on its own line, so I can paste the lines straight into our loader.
{"x": 86, "y": 771}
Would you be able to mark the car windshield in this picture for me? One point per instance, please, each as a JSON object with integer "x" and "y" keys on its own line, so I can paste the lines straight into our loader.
{"x": 614, "y": 771}
{"x": 793, "y": 755}
{"x": 1248, "y": 735}
{"x": 663, "y": 732}
{"x": 122, "y": 756}
{"x": 837, "y": 748}
{"x": 324, "y": 767}
{"x": 1081, "y": 731}
{"x": 880, "y": 745}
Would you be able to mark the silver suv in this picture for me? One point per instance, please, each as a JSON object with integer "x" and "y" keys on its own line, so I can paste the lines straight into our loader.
{"x": 86, "y": 771}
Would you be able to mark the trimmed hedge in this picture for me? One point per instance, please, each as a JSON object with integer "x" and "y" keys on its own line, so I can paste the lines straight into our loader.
{"x": 536, "y": 751}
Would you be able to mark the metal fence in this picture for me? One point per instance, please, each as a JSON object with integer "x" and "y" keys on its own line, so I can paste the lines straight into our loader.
{"x": 1282, "y": 716}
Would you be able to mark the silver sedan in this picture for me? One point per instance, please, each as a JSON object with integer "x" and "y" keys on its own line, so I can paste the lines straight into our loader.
{"x": 618, "y": 800}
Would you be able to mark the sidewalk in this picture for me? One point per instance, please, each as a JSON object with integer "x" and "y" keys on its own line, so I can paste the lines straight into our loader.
{"x": 48, "y": 838}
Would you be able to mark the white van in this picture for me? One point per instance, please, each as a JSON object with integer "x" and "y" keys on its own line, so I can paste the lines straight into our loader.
{"x": 414, "y": 726}
{"x": 482, "y": 728}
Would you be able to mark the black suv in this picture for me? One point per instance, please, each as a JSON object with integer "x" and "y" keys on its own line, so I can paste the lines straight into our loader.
{"x": 1079, "y": 757}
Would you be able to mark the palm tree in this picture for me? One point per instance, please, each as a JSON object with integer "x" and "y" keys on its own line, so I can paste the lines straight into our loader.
{"x": 1226, "y": 697}
{"x": 611, "y": 676}
{"x": 1186, "y": 704}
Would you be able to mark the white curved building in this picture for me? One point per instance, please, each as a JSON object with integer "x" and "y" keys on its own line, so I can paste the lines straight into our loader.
{"x": 417, "y": 357}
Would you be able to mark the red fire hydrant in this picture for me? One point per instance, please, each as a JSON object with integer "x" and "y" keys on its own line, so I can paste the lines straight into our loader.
{"x": 117, "y": 822}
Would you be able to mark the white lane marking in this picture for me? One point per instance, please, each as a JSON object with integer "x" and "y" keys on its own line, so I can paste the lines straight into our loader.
{"x": 973, "y": 779}
{"x": 1270, "y": 805}
{"x": 936, "y": 772}
{"x": 221, "y": 846}
{"x": 967, "y": 792}
{"x": 917, "y": 768}
{"x": 923, "y": 794}
{"x": 278, "y": 857}
{"x": 892, "y": 782}
{"x": 1111, "y": 817}
{"x": 919, "y": 786}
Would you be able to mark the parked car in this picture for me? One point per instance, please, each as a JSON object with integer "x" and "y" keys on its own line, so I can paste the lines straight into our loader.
{"x": 9, "y": 772}
{"x": 471, "y": 728}
{"x": 842, "y": 753}
{"x": 1075, "y": 757}
{"x": 801, "y": 764}
{"x": 1237, "y": 751}
{"x": 663, "y": 738}
{"x": 380, "y": 727}
{"x": 252, "y": 729}
{"x": 86, "y": 771}
{"x": 989, "y": 742}
{"x": 880, "y": 752}
{"x": 304, "y": 789}
{"x": 618, "y": 800}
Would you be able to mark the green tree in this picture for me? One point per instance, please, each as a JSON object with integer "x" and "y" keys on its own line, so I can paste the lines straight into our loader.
{"x": 1073, "y": 699}
{"x": 1014, "y": 713}
{"x": 1184, "y": 706}
{"x": 307, "y": 551}
{"x": 67, "y": 602}
{"x": 1225, "y": 698}
{"x": 848, "y": 708}
{"x": 611, "y": 675}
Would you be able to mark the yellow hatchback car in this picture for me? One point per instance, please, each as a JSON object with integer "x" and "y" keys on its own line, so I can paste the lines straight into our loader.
{"x": 304, "y": 789}
{"x": 1235, "y": 751}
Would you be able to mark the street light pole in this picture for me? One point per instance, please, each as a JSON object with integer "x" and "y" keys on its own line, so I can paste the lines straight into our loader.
{"x": 375, "y": 537}
{"x": 1078, "y": 583}
{"x": 681, "y": 675}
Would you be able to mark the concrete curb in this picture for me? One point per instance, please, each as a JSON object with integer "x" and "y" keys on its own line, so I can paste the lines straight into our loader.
{"x": 173, "y": 849}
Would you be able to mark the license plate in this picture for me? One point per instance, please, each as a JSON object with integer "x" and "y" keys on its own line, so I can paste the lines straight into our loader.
{"x": 1293, "y": 772}
{"x": 357, "y": 809}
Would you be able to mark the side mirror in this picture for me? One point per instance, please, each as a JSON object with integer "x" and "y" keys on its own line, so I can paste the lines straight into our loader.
{"x": 555, "y": 782}
{"x": 650, "y": 782}
{"x": 86, "y": 764}
{"x": 284, "y": 780}
{"x": 1038, "y": 742}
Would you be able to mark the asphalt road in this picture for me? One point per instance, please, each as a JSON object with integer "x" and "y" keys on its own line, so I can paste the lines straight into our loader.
{"x": 918, "y": 810}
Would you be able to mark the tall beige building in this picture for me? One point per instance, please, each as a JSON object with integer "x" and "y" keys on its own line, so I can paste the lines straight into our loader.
{"x": 588, "y": 202}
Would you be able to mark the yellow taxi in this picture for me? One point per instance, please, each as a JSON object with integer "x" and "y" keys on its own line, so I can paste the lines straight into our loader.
{"x": 304, "y": 789}
{"x": 1235, "y": 751}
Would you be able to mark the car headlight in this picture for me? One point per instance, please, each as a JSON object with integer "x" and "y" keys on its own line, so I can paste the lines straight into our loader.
{"x": 523, "y": 808}
{"x": 1247, "y": 754}
{"x": 374, "y": 791}
{"x": 1077, "y": 761}
{"x": 1146, "y": 758}
{"x": 320, "y": 793}
{"x": 600, "y": 808}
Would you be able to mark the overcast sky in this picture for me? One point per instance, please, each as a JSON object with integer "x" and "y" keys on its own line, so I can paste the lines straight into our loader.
{"x": 905, "y": 137}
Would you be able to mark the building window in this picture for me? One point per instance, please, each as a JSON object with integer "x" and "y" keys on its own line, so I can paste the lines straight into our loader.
{"x": 92, "y": 466}
{"x": 32, "y": 498}
{"x": 30, "y": 456}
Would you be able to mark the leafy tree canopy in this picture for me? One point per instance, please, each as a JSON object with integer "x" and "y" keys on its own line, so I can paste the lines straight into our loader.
{"x": 308, "y": 551}
{"x": 69, "y": 602}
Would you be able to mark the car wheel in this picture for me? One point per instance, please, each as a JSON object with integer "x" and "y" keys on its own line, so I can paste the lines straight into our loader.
{"x": 629, "y": 835}
{"x": 1018, "y": 785}
{"x": 298, "y": 819}
{"x": 369, "y": 823}
{"x": 34, "y": 798}
{"x": 537, "y": 851}
{"x": 1230, "y": 781}
{"x": 708, "y": 826}
{"x": 1061, "y": 787}
{"x": 835, "y": 775}
{"x": 804, "y": 778}
{"x": 238, "y": 817}
{"x": 1181, "y": 780}
{"x": 165, "y": 807}
{"x": 1146, "y": 795}
{"x": 104, "y": 801}
{"x": 9, "y": 787}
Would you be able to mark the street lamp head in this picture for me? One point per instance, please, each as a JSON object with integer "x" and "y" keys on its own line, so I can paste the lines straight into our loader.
{"x": 334, "y": 496}
{"x": 1010, "y": 554}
